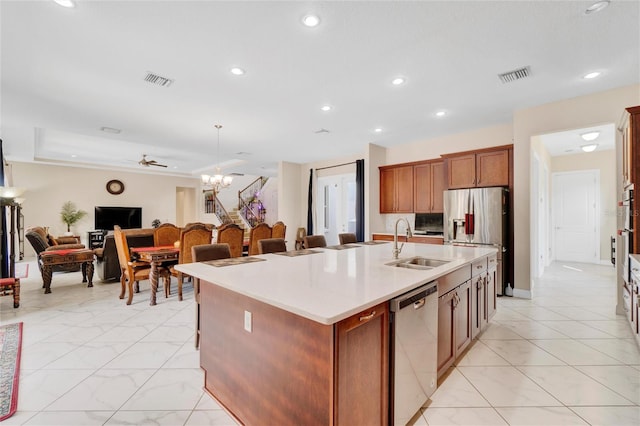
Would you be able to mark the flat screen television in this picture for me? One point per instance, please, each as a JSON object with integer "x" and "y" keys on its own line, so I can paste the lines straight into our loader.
{"x": 125, "y": 217}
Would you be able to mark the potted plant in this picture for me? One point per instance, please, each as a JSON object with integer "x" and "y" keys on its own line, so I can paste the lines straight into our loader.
{"x": 70, "y": 215}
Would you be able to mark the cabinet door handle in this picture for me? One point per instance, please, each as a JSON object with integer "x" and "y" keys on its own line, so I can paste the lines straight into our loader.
{"x": 368, "y": 317}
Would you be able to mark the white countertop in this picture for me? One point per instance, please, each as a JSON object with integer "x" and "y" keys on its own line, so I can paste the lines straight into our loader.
{"x": 330, "y": 286}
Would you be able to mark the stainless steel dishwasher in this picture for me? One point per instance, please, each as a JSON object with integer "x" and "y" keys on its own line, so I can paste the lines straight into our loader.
{"x": 414, "y": 351}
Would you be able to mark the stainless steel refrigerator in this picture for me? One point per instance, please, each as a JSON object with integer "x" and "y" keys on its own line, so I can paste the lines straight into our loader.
{"x": 478, "y": 217}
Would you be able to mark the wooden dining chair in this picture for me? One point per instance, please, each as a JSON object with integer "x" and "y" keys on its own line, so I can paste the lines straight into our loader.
{"x": 347, "y": 238}
{"x": 202, "y": 253}
{"x": 133, "y": 272}
{"x": 311, "y": 241}
{"x": 231, "y": 234}
{"x": 193, "y": 236}
{"x": 166, "y": 235}
{"x": 272, "y": 245}
{"x": 257, "y": 233}
{"x": 279, "y": 230}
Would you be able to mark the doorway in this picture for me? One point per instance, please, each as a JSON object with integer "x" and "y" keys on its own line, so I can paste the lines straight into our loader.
{"x": 185, "y": 205}
{"x": 336, "y": 206}
{"x": 576, "y": 204}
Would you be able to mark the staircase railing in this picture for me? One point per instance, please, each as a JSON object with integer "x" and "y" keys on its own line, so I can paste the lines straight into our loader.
{"x": 213, "y": 205}
{"x": 249, "y": 204}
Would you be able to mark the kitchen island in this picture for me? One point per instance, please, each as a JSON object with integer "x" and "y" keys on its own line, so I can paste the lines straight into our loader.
{"x": 305, "y": 339}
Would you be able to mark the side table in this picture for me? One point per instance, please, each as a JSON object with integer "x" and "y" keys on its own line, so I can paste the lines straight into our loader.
{"x": 48, "y": 259}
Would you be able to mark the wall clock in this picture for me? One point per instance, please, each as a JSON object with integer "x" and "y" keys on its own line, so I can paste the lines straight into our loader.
{"x": 115, "y": 187}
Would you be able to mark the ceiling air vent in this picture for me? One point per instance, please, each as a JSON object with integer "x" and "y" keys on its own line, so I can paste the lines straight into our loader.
{"x": 158, "y": 80}
{"x": 514, "y": 75}
{"x": 321, "y": 131}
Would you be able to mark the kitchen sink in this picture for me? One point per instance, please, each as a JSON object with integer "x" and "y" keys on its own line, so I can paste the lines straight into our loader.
{"x": 418, "y": 262}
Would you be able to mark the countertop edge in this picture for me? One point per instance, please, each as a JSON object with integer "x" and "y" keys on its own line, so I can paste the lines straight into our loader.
{"x": 418, "y": 278}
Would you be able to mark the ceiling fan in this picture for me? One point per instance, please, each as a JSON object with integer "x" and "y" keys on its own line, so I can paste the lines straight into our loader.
{"x": 147, "y": 163}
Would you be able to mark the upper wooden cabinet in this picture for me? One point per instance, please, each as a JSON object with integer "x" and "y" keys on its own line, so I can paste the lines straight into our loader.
{"x": 396, "y": 189}
{"x": 630, "y": 128}
{"x": 481, "y": 168}
{"x": 428, "y": 184}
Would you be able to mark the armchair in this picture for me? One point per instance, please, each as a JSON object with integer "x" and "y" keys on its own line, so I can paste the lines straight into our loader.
{"x": 41, "y": 241}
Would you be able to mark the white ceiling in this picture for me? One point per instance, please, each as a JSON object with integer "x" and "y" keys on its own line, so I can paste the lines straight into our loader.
{"x": 570, "y": 142}
{"x": 68, "y": 72}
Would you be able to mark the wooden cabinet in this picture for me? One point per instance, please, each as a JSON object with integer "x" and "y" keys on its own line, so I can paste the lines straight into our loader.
{"x": 421, "y": 239}
{"x": 325, "y": 374}
{"x": 463, "y": 318}
{"x": 481, "y": 168}
{"x": 454, "y": 316}
{"x": 429, "y": 182}
{"x": 446, "y": 319}
{"x": 479, "y": 319}
{"x": 396, "y": 189}
{"x": 492, "y": 287}
{"x": 362, "y": 368}
{"x": 454, "y": 328}
{"x": 630, "y": 127}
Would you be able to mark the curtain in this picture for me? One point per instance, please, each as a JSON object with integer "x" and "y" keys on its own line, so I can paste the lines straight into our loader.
{"x": 360, "y": 200}
{"x": 310, "y": 205}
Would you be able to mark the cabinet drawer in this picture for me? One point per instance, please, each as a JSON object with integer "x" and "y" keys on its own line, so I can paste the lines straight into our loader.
{"x": 453, "y": 280}
{"x": 479, "y": 267}
{"x": 492, "y": 261}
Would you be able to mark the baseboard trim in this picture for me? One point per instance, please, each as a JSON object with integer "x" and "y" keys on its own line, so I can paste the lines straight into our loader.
{"x": 521, "y": 294}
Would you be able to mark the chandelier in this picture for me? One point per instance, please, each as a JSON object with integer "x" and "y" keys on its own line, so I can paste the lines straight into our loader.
{"x": 217, "y": 181}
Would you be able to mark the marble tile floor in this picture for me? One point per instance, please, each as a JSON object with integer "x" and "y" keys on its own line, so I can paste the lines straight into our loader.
{"x": 562, "y": 358}
{"x": 88, "y": 359}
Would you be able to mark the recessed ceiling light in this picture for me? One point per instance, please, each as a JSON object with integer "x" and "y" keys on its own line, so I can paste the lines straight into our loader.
{"x": 237, "y": 71}
{"x": 326, "y": 108}
{"x": 66, "y": 3}
{"x": 597, "y": 6}
{"x": 377, "y": 130}
{"x": 73, "y": 156}
{"x": 591, "y": 75}
{"x": 311, "y": 20}
{"x": 398, "y": 81}
{"x": 441, "y": 113}
{"x": 590, "y": 147}
{"x": 590, "y": 136}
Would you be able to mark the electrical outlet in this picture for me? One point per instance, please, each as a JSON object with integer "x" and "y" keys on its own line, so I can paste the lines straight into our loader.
{"x": 247, "y": 321}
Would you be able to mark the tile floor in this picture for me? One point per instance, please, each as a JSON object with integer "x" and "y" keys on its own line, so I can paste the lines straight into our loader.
{"x": 88, "y": 359}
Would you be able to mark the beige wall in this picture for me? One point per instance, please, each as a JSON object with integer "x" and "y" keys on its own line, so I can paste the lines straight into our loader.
{"x": 290, "y": 199}
{"x": 605, "y": 162}
{"x": 575, "y": 113}
{"x": 49, "y": 186}
{"x": 434, "y": 148}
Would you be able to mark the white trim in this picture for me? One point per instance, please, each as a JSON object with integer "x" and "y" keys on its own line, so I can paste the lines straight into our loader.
{"x": 522, "y": 294}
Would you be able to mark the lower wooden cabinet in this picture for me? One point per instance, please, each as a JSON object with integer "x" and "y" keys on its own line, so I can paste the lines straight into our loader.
{"x": 491, "y": 289}
{"x": 454, "y": 325}
{"x": 362, "y": 368}
{"x": 464, "y": 310}
{"x": 290, "y": 370}
{"x": 479, "y": 318}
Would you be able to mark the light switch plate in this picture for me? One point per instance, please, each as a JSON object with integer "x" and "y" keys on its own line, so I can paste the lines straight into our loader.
{"x": 247, "y": 321}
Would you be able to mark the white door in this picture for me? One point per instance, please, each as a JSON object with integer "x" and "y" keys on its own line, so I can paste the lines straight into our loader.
{"x": 575, "y": 215}
{"x": 336, "y": 206}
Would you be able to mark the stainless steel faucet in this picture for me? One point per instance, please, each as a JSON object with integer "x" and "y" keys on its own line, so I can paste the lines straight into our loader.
{"x": 396, "y": 250}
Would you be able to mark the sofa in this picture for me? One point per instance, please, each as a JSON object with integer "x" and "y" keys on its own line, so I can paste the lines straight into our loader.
{"x": 107, "y": 264}
{"x": 41, "y": 241}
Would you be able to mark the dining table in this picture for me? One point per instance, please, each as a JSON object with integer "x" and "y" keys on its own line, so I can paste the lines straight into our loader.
{"x": 155, "y": 256}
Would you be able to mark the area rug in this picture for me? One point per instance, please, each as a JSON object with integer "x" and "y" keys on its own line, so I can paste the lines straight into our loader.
{"x": 10, "y": 346}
